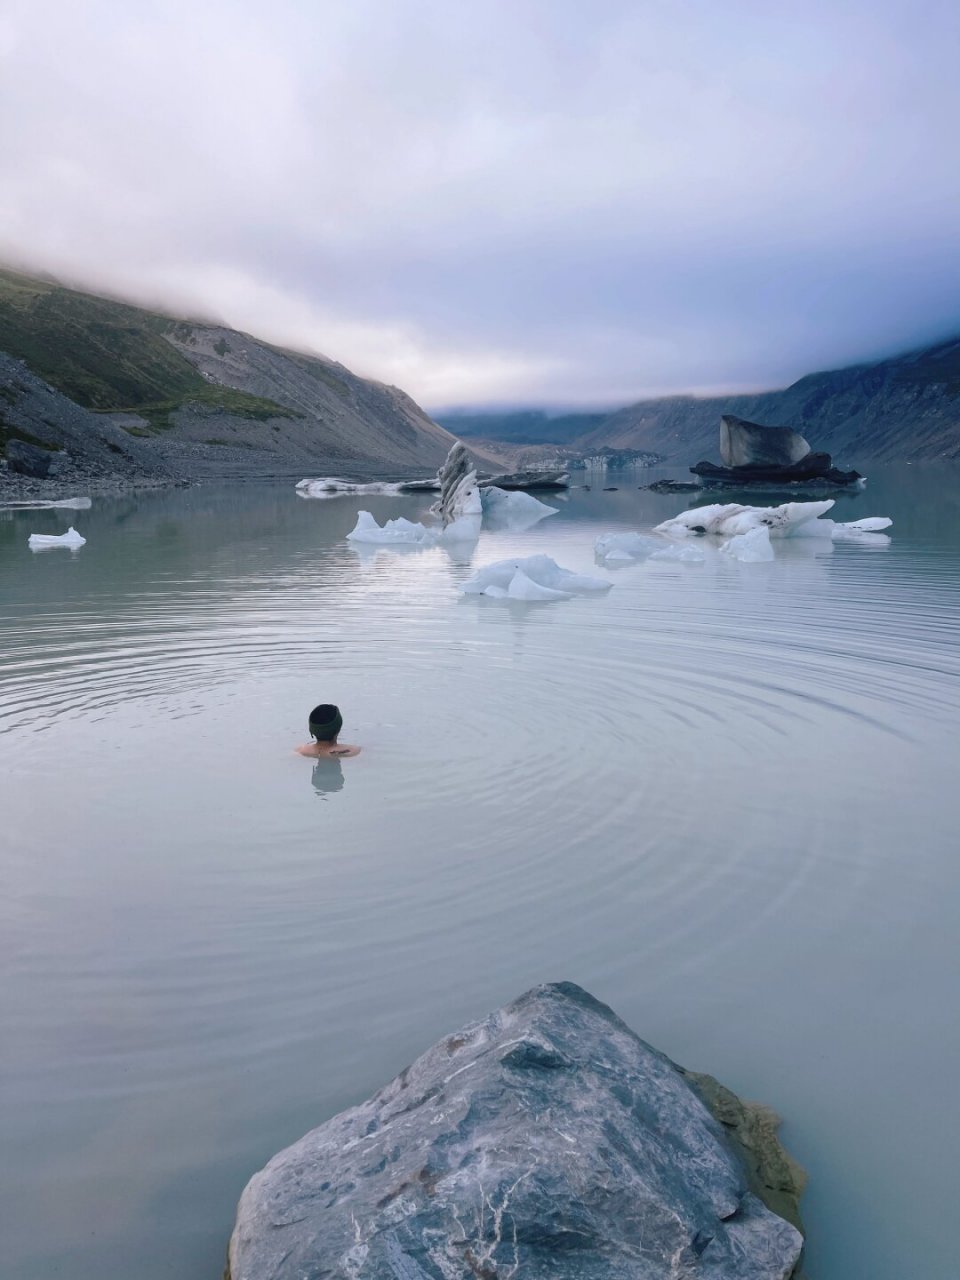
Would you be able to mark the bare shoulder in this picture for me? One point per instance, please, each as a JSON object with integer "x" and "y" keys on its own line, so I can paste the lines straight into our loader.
{"x": 320, "y": 751}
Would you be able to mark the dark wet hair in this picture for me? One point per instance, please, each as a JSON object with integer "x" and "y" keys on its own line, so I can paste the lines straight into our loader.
{"x": 325, "y": 722}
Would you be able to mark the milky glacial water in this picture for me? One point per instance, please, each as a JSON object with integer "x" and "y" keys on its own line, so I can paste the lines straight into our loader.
{"x": 722, "y": 797}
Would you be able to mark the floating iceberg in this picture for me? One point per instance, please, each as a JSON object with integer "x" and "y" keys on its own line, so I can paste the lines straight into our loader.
{"x": 790, "y": 520}
{"x": 37, "y": 541}
{"x": 408, "y": 533}
{"x": 626, "y": 546}
{"x": 852, "y": 531}
{"x": 531, "y": 578}
{"x": 752, "y": 547}
{"x": 459, "y": 494}
{"x": 514, "y": 509}
{"x": 331, "y": 487}
{"x": 465, "y": 528}
{"x": 686, "y": 554}
{"x": 522, "y": 587}
{"x": 68, "y": 504}
{"x": 400, "y": 531}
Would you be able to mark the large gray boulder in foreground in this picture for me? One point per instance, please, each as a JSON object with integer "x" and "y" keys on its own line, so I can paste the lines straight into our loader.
{"x": 545, "y": 1141}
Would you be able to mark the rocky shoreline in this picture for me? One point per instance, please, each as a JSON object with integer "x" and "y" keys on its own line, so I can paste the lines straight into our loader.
{"x": 546, "y": 1141}
{"x": 76, "y": 480}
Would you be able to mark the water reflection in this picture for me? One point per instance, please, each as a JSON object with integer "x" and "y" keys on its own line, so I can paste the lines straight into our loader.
{"x": 327, "y": 777}
{"x": 724, "y": 800}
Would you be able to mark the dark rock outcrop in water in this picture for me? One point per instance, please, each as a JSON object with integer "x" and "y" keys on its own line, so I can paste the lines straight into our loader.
{"x": 748, "y": 444}
{"x": 545, "y": 1141}
{"x": 753, "y": 454}
{"x": 907, "y": 407}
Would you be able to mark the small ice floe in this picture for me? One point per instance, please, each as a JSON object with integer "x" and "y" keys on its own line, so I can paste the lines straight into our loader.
{"x": 512, "y": 509}
{"x": 752, "y": 547}
{"x": 686, "y": 554}
{"x": 531, "y": 578}
{"x": 409, "y": 533}
{"x": 72, "y": 539}
{"x": 790, "y": 520}
{"x": 869, "y": 530}
{"x": 627, "y": 546}
{"x": 67, "y": 504}
{"x": 392, "y": 533}
{"x": 331, "y": 487}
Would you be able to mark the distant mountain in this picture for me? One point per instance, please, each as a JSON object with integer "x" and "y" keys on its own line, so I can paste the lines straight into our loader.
{"x": 907, "y": 407}
{"x": 522, "y": 426}
{"x": 106, "y": 379}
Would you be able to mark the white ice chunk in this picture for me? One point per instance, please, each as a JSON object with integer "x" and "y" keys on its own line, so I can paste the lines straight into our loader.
{"x": 465, "y": 528}
{"x": 730, "y": 518}
{"x": 500, "y": 579}
{"x": 849, "y": 531}
{"x": 69, "y": 539}
{"x": 752, "y": 547}
{"x": 686, "y": 554}
{"x": 401, "y": 530}
{"x": 69, "y": 504}
{"x": 869, "y": 524}
{"x": 331, "y": 487}
{"x": 626, "y": 546}
{"x": 513, "y": 509}
{"x": 867, "y": 529}
{"x": 408, "y": 533}
{"x": 523, "y": 588}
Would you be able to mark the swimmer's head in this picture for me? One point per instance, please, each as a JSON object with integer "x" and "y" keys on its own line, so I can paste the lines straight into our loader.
{"x": 325, "y": 722}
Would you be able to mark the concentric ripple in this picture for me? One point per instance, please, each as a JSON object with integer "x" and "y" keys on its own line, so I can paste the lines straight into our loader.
{"x": 721, "y": 795}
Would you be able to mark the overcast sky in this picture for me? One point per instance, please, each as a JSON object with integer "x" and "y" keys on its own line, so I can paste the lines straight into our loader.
{"x": 514, "y": 201}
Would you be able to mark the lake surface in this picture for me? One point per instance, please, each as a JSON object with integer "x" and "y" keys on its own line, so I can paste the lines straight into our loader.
{"x": 723, "y": 797}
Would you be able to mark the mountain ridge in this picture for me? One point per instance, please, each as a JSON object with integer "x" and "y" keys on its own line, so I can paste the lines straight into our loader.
{"x": 189, "y": 397}
{"x": 905, "y": 407}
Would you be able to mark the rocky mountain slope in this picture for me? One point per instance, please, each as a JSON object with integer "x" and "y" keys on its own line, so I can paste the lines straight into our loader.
{"x": 520, "y": 427}
{"x": 114, "y": 384}
{"x": 906, "y": 408}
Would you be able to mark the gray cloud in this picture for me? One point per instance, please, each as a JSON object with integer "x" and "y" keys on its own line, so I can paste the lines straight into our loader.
{"x": 529, "y": 201}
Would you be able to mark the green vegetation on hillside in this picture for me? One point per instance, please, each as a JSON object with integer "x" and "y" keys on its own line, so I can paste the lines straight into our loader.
{"x": 10, "y": 431}
{"x": 108, "y": 356}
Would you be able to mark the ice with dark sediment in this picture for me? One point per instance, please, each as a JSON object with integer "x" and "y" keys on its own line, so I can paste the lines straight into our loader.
{"x": 744, "y": 532}
{"x": 789, "y": 520}
{"x": 459, "y": 492}
{"x": 460, "y": 509}
{"x": 332, "y": 487}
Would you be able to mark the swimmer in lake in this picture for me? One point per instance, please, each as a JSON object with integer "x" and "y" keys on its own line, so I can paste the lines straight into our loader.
{"x": 325, "y": 724}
